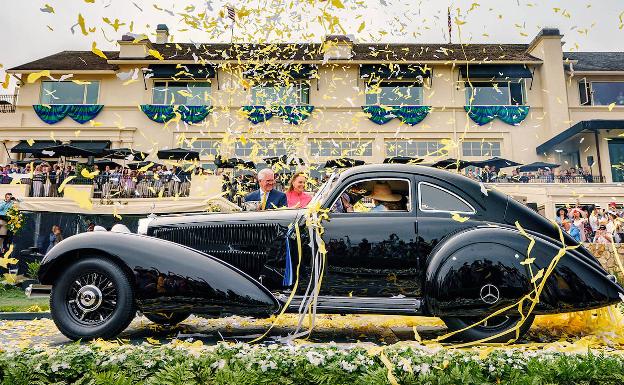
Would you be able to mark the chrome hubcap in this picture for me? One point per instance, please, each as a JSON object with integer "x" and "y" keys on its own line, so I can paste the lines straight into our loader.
{"x": 92, "y": 298}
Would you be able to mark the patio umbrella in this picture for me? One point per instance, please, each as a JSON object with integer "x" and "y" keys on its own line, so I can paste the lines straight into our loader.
{"x": 102, "y": 163}
{"x": 67, "y": 150}
{"x": 24, "y": 162}
{"x": 497, "y": 162}
{"x": 138, "y": 165}
{"x": 452, "y": 164}
{"x": 343, "y": 163}
{"x": 125, "y": 153}
{"x": 403, "y": 160}
{"x": 284, "y": 160}
{"x": 537, "y": 165}
{"x": 232, "y": 163}
{"x": 178, "y": 154}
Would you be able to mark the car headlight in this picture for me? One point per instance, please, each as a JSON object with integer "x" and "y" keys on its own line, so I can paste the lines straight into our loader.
{"x": 144, "y": 224}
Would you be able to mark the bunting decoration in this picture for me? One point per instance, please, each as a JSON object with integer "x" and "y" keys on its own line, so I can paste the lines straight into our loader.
{"x": 290, "y": 114}
{"x": 411, "y": 115}
{"x": 81, "y": 113}
{"x": 163, "y": 113}
{"x": 511, "y": 115}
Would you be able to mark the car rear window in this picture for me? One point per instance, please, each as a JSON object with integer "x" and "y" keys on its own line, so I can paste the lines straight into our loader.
{"x": 435, "y": 198}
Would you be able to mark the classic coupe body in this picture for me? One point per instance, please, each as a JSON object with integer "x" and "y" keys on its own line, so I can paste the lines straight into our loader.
{"x": 445, "y": 246}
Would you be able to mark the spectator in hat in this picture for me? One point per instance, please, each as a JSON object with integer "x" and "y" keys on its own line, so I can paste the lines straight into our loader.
{"x": 574, "y": 232}
{"x": 384, "y": 199}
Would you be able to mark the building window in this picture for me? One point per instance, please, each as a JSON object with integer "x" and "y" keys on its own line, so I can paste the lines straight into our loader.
{"x": 264, "y": 148}
{"x": 205, "y": 147}
{"x": 481, "y": 148}
{"x": 495, "y": 93}
{"x": 341, "y": 148}
{"x": 183, "y": 93}
{"x": 70, "y": 92}
{"x": 394, "y": 93}
{"x": 297, "y": 93}
{"x": 415, "y": 148}
{"x": 601, "y": 93}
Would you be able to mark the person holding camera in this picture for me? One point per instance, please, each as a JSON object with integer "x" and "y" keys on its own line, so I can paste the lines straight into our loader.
{"x": 5, "y": 206}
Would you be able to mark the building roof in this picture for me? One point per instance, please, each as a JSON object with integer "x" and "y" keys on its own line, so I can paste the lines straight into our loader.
{"x": 596, "y": 61}
{"x": 582, "y": 126}
{"x": 86, "y": 60}
{"x": 71, "y": 61}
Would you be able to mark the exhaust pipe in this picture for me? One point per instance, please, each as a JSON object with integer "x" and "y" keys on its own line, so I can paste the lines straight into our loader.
{"x": 35, "y": 291}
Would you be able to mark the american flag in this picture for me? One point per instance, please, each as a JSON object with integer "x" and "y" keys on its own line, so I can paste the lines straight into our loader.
{"x": 231, "y": 12}
{"x": 450, "y": 25}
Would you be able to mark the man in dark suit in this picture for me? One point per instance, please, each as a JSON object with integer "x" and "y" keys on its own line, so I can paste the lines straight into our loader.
{"x": 266, "y": 195}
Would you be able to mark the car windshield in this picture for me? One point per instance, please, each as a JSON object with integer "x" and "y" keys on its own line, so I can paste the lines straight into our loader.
{"x": 325, "y": 189}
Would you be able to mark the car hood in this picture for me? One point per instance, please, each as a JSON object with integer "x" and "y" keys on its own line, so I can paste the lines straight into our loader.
{"x": 279, "y": 217}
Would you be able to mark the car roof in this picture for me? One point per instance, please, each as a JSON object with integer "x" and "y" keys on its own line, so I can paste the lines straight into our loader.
{"x": 451, "y": 177}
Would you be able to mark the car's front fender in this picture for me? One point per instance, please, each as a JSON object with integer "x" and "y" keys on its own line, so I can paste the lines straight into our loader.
{"x": 167, "y": 276}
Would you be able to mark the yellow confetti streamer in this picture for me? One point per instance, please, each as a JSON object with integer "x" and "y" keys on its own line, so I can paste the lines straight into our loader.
{"x": 37, "y": 75}
{"x": 459, "y": 218}
{"x": 89, "y": 175}
{"x": 156, "y": 54}
{"x": 97, "y": 51}
{"x": 80, "y": 196}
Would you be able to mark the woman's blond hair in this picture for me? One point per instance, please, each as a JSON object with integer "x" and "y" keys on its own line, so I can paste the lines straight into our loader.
{"x": 292, "y": 180}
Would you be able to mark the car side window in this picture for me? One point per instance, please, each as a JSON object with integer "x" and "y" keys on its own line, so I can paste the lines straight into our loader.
{"x": 435, "y": 198}
{"x": 374, "y": 195}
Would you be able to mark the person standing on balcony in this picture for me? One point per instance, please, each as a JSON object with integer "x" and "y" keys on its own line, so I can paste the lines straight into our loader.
{"x": 38, "y": 181}
{"x": 266, "y": 196}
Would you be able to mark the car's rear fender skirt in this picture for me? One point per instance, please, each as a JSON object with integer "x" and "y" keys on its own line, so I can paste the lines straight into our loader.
{"x": 461, "y": 269}
{"x": 166, "y": 276}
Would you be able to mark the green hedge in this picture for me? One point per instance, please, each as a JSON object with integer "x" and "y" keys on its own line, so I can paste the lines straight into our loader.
{"x": 239, "y": 364}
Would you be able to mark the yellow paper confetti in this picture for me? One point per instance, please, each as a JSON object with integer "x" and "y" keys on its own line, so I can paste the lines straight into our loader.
{"x": 36, "y": 75}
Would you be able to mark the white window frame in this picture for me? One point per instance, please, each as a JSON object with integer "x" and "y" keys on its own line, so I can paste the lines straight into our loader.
{"x": 407, "y": 142}
{"x": 470, "y": 86}
{"x": 421, "y": 208}
{"x": 352, "y": 151}
{"x": 410, "y": 204}
{"x": 297, "y": 83}
{"x": 591, "y": 91}
{"x": 84, "y": 93}
{"x": 201, "y": 149}
{"x": 167, "y": 92}
{"x": 482, "y": 142}
{"x": 262, "y": 143}
{"x": 413, "y": 83}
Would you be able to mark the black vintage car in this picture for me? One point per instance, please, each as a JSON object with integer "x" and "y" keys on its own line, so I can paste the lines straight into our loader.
{"x": 440, "y": 245}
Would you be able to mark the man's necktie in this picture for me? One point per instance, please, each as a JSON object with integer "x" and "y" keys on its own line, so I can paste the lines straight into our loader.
{"x": 264, "y": 200}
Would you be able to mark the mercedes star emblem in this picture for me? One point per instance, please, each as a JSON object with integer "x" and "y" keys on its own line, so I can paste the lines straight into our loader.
{"x": 490, "y": 294}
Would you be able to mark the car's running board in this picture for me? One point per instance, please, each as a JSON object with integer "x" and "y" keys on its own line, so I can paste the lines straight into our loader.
{"x": 371, "y": 305}
{"x": 33, "y": 291}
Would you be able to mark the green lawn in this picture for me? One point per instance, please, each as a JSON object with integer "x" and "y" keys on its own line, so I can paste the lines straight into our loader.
{"x": 14, "y": 299}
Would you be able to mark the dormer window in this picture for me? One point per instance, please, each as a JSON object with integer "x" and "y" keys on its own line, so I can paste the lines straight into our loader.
{"x": 495, "y": 93}
{"x": 79, "y": 92}
{"x": 601, "y": 93}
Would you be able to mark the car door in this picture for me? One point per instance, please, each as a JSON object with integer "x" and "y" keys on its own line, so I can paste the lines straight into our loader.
{"x": 372, "y": 254}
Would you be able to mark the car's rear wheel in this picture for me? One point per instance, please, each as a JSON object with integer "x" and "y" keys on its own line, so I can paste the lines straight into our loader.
{"x": 93, "y": 298}
{"x": 167, "y": 318}
{"x": 491, "y": 327}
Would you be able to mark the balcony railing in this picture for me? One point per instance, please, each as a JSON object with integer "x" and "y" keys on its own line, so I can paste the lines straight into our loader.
{"x": 7, "y": 103}
{"x": 114, "y": 187}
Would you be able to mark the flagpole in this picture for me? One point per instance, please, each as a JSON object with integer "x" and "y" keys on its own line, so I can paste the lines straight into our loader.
{"x": 450, "y": 26}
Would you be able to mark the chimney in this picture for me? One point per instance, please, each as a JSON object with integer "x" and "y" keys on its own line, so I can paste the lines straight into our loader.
{"x": 132, "y": 46}
{"x": 546, "y": 46}
{"x": 162, "y": 34}
{"x": 338, "y": 47}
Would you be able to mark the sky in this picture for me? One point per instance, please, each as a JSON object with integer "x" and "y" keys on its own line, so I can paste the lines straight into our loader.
{"x": 32, "y": 29}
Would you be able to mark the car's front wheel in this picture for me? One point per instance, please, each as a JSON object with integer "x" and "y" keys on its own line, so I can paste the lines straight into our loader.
{"x": 92, "y": 298}
{"x": 493, "y": 326}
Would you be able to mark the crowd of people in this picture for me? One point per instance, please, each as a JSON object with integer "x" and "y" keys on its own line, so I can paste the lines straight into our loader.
{"x": 593, "y": 224}
{"x": 116, "y": 181}
{"x": 489, "y": 174}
